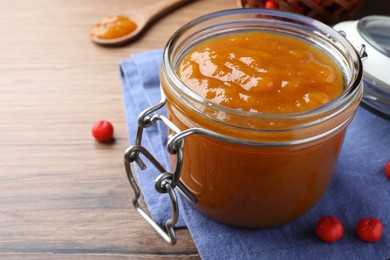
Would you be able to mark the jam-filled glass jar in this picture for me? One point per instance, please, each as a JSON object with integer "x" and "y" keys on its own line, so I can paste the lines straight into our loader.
{"x": 258, "y": 169}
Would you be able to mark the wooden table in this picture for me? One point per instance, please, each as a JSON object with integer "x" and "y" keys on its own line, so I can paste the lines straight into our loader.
{"x": 63, "y": 195}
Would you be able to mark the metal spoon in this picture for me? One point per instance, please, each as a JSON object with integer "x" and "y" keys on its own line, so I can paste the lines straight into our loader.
{"x": 143, "y": 17}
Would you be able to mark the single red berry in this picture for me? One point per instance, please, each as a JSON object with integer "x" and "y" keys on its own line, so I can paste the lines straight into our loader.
{"x": 103, "y": 131}
{"x": 387, "y": 169}
{"x": 270, "y": 4}
{"x": 329, "y": 229}
{"x": 369, "y": 229}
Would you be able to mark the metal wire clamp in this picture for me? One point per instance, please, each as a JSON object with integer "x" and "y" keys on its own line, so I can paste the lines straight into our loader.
{"x": 166, "y": 182}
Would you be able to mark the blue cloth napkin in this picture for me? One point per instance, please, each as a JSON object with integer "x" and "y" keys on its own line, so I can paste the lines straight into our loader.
{"x": 359, "y": 188}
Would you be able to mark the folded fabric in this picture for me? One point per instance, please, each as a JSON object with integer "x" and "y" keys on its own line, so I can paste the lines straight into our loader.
{"x": 359, "y": 188}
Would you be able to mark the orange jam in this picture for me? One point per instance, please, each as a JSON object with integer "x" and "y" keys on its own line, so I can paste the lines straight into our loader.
{"x": 113, "y": 27}
{"x": 261, "y": 72}
{"x": 283, "y": 162}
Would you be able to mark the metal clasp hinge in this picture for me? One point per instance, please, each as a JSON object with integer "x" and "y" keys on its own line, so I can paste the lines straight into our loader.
{"x": 163, "y": 184}
{"x": 166, "y": 182}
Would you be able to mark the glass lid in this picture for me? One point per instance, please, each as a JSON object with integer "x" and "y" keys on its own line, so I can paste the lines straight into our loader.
{"x": 374, "y": 33}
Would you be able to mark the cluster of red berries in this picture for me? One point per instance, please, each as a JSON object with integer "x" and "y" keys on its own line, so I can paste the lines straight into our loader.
{"x": 299, "y": 7}
{"x": 330, "y": 229}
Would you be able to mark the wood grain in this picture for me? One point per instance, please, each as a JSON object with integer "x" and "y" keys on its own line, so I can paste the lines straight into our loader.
{"x": 63, "y": 195}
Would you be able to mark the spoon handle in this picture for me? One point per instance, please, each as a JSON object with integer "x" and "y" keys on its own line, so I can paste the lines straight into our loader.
{"x": 162, "y": 7}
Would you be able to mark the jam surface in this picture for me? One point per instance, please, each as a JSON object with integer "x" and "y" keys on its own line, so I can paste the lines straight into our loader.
{"x": 261, "y": 72}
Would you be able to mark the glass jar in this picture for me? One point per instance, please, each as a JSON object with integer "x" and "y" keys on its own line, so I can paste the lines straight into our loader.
{"x": 253, "y": 169}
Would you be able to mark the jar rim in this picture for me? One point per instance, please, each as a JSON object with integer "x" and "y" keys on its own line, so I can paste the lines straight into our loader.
{"x": 350, "y": 89}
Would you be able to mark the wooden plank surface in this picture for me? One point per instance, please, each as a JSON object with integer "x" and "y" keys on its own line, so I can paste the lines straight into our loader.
{"x": 63, "y": 195}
